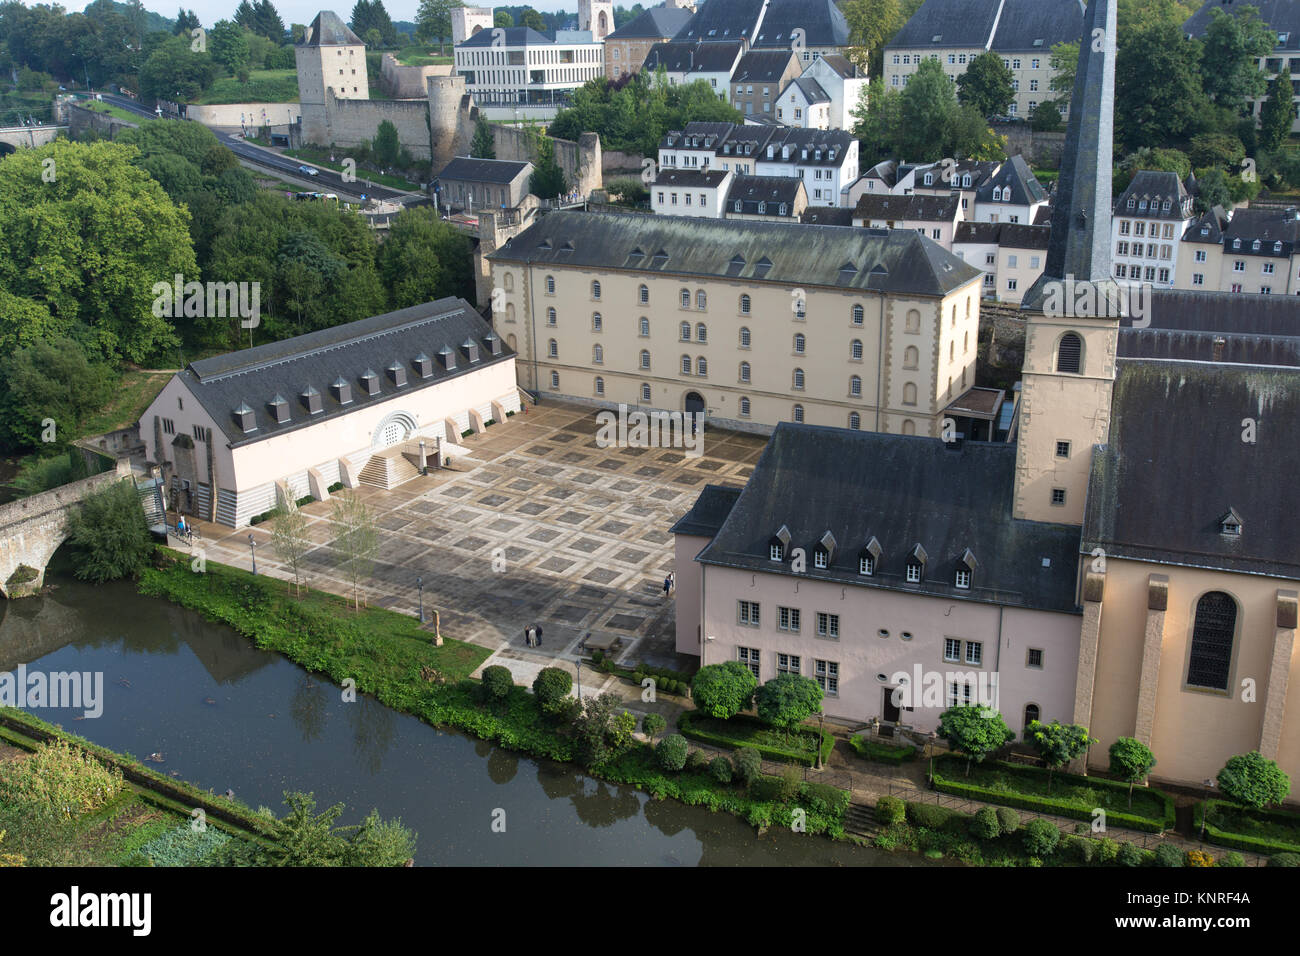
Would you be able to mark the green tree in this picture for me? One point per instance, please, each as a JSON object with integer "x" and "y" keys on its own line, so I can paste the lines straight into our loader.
{"x": 1158, "y": 78}
{"x": 1230, "y": 52}
{"x": 307, "y": 838}
{"x": 602, "y": 729}
{"x": 386, "y": 146}
{"x": 986, "y": 85}
{"x": 424, "y": 259}
{"x": 547, "y": 181}
{"x": 551, "y": 687}
{"x": 50, "y": 379}
{"x": 22, "y": 321}
{"x": 356, "y": 539}
{"x": 1212, "y": 190}
{"x": 652, "y": 725}
{"x": 1253, "y": 780}
{"x": 483, "y": 146}
{"x": 370, "y": 15}
{"x": 1041, "y": 838}
{"x": 1064, "y": 61}
{"x": 503, "y": 20}
{"x": 290, "y": 540}
{"x": 723, "y": 690}
{"x": 228, "y": 46}
{"x": 433, "y": 20}
{"x": 974, "y": 732}
{"x": 267, "y": 22}
{"x": 186, "y": 20}
{"x": 788, "y": 700}
{"x": 1216, "y": 149}
{"x": 671, "y": 752}
{"x": 1057, "y": 744}
{"x": 532, "y": 19}
{"x": 174, "y": 72}
{"x": 872, "y": 23}
{"x": 498, "y": 682}
{"x": 748, "y": 765}
{"x": 1131, "y": 761}
{"x": 108, "y": 534}
{"x": 1277, "y": 114}
{"x": 1046, "y": 117}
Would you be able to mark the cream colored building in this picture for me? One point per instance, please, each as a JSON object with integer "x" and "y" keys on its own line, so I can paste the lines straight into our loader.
{"x": 626, "y": 47}
{"x": 753, "y": 323}
{"x": 1011, "y": 255}
{"x": 1255, "y": 252}
{"x": 331, "y": 57}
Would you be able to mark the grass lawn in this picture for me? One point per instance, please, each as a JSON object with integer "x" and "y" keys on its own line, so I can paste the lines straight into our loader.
{"x": 320, "y": 157}
{"x": 1231, "y": 825}
{"x": 263, "y": 86}
{"x": 111, "y": 110}
{"x": 134, "y": 392}
{"x": 421, "y": 56}
{"x": 744, "y": 731}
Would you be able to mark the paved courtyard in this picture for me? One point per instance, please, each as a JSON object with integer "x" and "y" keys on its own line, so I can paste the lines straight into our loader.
{"x": 541, "y": 526}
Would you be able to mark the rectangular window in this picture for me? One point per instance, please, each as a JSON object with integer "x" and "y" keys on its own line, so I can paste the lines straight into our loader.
{"x": 827, "y": 674}
{"x": 963, "y": 578}
{"x": 828, "y": 625}
{"x": 1198, "y": 278}
{"x": 1062, "y": 449}
{"x": 959, "y": 694}
{"x": 1034, "y": 657}
{"x": 747, "y": 613}
{"x": 1267, "y": 268}
{"x": 974, "y": 653}
{"x": 787, "y": 664}
{"x": 1200, "y": 255}
{"x": 951, "y": 649}
{"x": 1058, "y": 496}
{"x": 1238, "y": 265}
{"x": 774, "y": 552}
{"x": 866, "y": 565}
{"x": 749, "y": 657}
{"x": 787, "y": 619}
{"x": 169, "y": 426}
{"x": 820, "y": 559}
{"x": 913, "y": 573}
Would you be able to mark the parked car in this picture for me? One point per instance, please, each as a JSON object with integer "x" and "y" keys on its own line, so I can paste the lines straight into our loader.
{"x": 309, "y": 170}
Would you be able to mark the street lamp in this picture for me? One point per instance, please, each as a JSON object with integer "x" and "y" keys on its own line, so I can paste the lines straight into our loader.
{"x": 579, "y": 665}
{"x": 419, "y": 583}
{"x": 252, "y": 549}
{"x": 1205, "y": 810}
{"x": 821, "y": 730}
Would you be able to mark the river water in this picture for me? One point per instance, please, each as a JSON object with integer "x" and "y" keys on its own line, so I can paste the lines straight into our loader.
{"x": 223, "y": 714}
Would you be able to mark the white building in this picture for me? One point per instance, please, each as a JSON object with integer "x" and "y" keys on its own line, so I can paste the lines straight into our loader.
{"x": 711, "y": 63}
{"x": 690, "y": 192}
{"x": 518, "y": 65}
{"x": 824, "y": 96}
{"x": 1150, "y": 219}
{"x": 1012, "y": 194}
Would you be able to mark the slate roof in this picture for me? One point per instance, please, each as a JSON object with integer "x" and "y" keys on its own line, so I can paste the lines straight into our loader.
{"x": 1200, "y": 423}
{"x": 329, "y": 30}
{"x": 1267, "y": 225}
{"x": 902, "y": 491}
{"x": 318, "y": 359}
{"x": 762, "y": 66}
{"x": 1032, "y": 26}
{"x": 691, "y": 178}
{"x": 1173, "y": 345}
{"x": 1007, "y": 235}
{"x": 980, "y": 170}
{"x": 717, "y": 20}
{"x": 469, "y": 169}
{"x": 955, "y": 23}
{"x": 1149, "y": 190}
{"x": 840, "y": 64}
{"x": 1015, "y": 172}
{"x": 513, "y": 36}
{"x": 692, "y": 57}
{"x": 1005, "y": 26}
{"x": 827, "y": 216}
{"x": 829, "y": 141}
{"x": 749, "y": 191}
{"x": 1282, "y": 15}
{"x": 709, "y": 511}
{"x": 914, "y": 207}
{"x": 1208, "y": 227}
{"x": 894, "y": 261}
{"x": 812, "y": 90}
{"x": 1227, "y": 313}
{"x": 708, "y": 134}
{"x": 662, "y": 22}
{"x": 821, "y": 20}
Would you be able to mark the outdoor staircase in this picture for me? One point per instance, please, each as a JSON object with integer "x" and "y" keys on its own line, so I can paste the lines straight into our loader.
{"x": 151, "y": 500}
{"x": 388, "y": 470}
{"x": 860, "y": 820}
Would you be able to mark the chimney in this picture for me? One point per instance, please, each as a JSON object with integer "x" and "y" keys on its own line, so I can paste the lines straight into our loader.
{"x": 397, "y": 372}
{"x": 311, "y": 400}
{"x": 370, "y": 382}
{"x": 471, "y": 350}
{"x": 448, "y": 356}
{"x": 423, "y": 365}
{"x": 244, "y": 418}
{"x": 342, "y": 391}
{"x": 279, "y": 409}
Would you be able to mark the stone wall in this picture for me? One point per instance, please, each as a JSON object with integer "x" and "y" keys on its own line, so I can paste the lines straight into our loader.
{"x": 233, "y": 114}
{"x": 1039, "y": 149}
{"x": 352, "y": 122}
{"x": 82, "y": 120}
{"x": 408, "y": 82}
{"x": 581, "y": 161}
{"x": 618, "y": 164}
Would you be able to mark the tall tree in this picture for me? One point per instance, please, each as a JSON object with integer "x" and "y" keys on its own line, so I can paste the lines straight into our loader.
{"x": 267, "y": 21}
{"x": 1131, "y": 761}
{"x": 49, "y": 380}
{"x": 871, "y": 24}
{"x": 370, "y": 15}
{"x": 974, "y": 732}
{"x": 503, "y": 20}
{"x": 186, "y": 20}
{"x": 1277, "y": 113}
{"x": 356, "y": 539}
{"x": 1230, "y": 52}
{"x": 1064, "y": 61}
{"x": 290, "y": 540}
{"x": 229, "y": 47}
{"x": 424, "y": 258}
{"x": 386, "y": 146}
{"x": 1158, "y": 79}
{"x": 532, "y": 19}
{"x": 433, "y": 20}
{"x": 483, "y": 145}
{"x": 986, "y": 85}
{"x": 109, "y": 535}
{"x": 1058, "y": 744}
{"x": 547, "y": 181}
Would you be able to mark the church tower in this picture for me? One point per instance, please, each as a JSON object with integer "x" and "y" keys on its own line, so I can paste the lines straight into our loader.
{"x": 1073, "y": 310}
{"x": 596, "y": 16}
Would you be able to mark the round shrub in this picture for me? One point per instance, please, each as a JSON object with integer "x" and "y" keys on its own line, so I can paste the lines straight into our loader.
{"x": 723, "y": 690}
{"x": 1008, "y": 820}
{"x": 984, "y": 824}
{"x": 1231, "y": 859}
{"x": 890, "y": 810}
{"x": 697, "y": 760}
{"x": 652, "y": 725}
{"x": 1085, "y": 850}
{"x": 671, "y": 752}
{"x": 1284, "y": 859}
{"x": 720, "y": 768}
{"x": 1169, "y": 855}
{"x": 637, "y": 677}
{"x": 1197, "y": 858}
{"x": 497, "y": 682}
{"x": 928, "y": 815}
{"x": 551, "y": 687}
{"x": 1128, "y": 855}
{"x": 747, "y": 764}
{"x": 1041, "y": 838}
{"x": 1107, "y": 851}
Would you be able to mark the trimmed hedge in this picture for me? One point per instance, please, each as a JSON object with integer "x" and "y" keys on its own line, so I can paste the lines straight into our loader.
{"x": 959, "y": 786}
{"x": 881, "y": 753}
{"x": 686, "y": 725}
{"x": 1242, "y": 841}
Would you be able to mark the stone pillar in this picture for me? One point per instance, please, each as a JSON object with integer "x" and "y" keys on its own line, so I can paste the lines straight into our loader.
{"x": 1094, "y": 589}
{"x": 1152, "y": 643}
{"x": 1279, "y": 671}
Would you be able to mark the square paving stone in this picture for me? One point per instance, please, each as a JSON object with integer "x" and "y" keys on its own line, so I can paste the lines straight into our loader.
{"x": 609, "y": 465}
{"x": 592, "y": 594}
{"x": 625, "y": 486}
{"x": 706, "y": 464}
{"x": 560, "y": 493}
{"x": 422, "y": 506}
{"x": 494, "y": 501}
{"x": 428, "y": 534}
{"x": 471, "y": 543}
{"x": 639, "y": 511}
{"x": 563, "y": 436}
{"x": 541, "y": 450}
{"x": 531, "y": 508}
{"x": 687, "y": 480}
{"x": 516, "y": 555}
{"x": 665, "y": 494}
{"x": 632, "y": 556}
{"x": 572, "y": 517}
{"x": 456, "y": 491}
{"x": 573, "y": 458}
{"x": 570, "y": 614}
{"x": 657, "y": 537}
{"x": 649, "y": 471}
{"x": 614, "y": 527}
{"x": 635, "y": 452}
{"x": 586, "y": 478}
{"x": 625, "y": 622}
{"x": 671, "y": 457}
{"x": 601, "y": 576}
{"x": 544, "y": 534}
{"x": 503, "y": 524}
{"x": 521, "y": 484}
{"x": 464, "y": 516}
{"x": 547, "y": 471}
{"x": 513, "y": 463}
{"x": 558, "y": 565}
{"x": 585, "y": 545}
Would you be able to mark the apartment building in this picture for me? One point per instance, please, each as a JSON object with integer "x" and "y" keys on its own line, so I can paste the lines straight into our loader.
{"x": 1255, "y": 251}
{"x": 1011, "y": 255}
{"x": 824, "y": 95}
{"x": 518, "y": 65}
{"x": 626, "y": 47}
{"x": 759, "y": 77}
{"x": 690, "y": 192}
{"x": 693, "y": 62}
{"x": 935, "y": 217}
{"x": 1151, "y": 216}
{"x": 812, "y": 28}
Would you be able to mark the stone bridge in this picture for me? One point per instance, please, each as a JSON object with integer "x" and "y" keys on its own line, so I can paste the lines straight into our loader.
{"x": 13, "y": 138}
{"x": 31, "y": 530}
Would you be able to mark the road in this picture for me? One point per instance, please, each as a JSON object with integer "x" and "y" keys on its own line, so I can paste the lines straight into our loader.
{"x": 325, "y": 181}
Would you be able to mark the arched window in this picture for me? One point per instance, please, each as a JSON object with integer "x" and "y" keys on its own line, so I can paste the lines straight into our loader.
{"x": 744, "y": 336}
{"x": 911, "y": 356}
{"x": 510, "y": 282}
{"x": 913, "y": 321}
{"x": 1032, "y": 713}
{"x": 952, "y": 351}
{"x": 855, "y": 350}
{"x": 744, "y": 407}
{"x": 909, "y": 427}
{"x": 798, "y": 379}
{"x": 550, "y": 285}
{"x": 858, "y": 315}
{"x": 909, "y": 393}
{"x": 555, "y": 380}
{"x": 597, "y": 322}
{"x": 643, "y": 293}
{"x": 645, "y": 358}
{"x": 512, "y": 343}
{"x": 1069, "y": 353}
{"x": 550, "y": 316}
{"x": 744, "y": 305}
{"x": 799, "y": 343}
{"x": 744, "y": 371}
{"x": 686, "y": 365}
{"x": 701, "y": 332}
{"x": 552, "y": 348}
{"x": 595, "y": 289}
{"x": 645, "y": 392}
{"x": 855, "y": 421}
{"x": 855, "y": 386}
{"x": 685, "y": 329}
{"x": 600, "y": 385}
{"x": 800, "y": 307}
{"x": 798, "y": 414}
{"x": 597, "y": 355}
{"x": 686, "y": 298}
{"x": 953, "y": 323}
{"x": 644, "y": 326}
{"x": 1212, "y": 635}
{"x": 510, "y": 311}
{"x": 701, "y": 300}
{"x": 965, "y": 343}
{"x": 701, "y": 366}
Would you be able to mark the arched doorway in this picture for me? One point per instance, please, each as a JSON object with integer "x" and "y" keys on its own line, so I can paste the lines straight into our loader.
{"x": 695, "y": 403}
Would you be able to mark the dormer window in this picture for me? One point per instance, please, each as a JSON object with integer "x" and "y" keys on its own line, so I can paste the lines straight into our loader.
{"x": 1205, "y": 230}
{"x": 244, "y": 418}
{"x": 868, "y": 558}
{"x": 1277, "y": 246}
{"x": 279, "y": 409}
{"x": 423, "y": 365}
{"x": 1254, "y": 246}
{"x": 965, "y": 569}
{"x": 397, "y": 372}
{"x": 963, "y": 578}
{"x": 370, "y": 382}
{"x": 311, "y": 400}
{"x": 1230, "y": 524}
{"x": 1166, "y": 205}
{"x": 929, "y": 179}
{"x": 342, "y": 391}
{"x": 1236, "y": 243}
{"x": 965, "y": 180}
{"x": 1132, "y": 203}
{"x": 824, "y": 552}
{"x": 916, "y": 564}
{"x": 779, "y": 545}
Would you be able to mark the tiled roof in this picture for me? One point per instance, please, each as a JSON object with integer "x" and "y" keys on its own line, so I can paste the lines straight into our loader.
{"x": 660, "y": 22}
{"x": 469, "y": 169}
{"x": 329, "y": 30}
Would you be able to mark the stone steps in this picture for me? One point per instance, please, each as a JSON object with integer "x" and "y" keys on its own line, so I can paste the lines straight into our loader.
{"x": 387, "y": 472}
